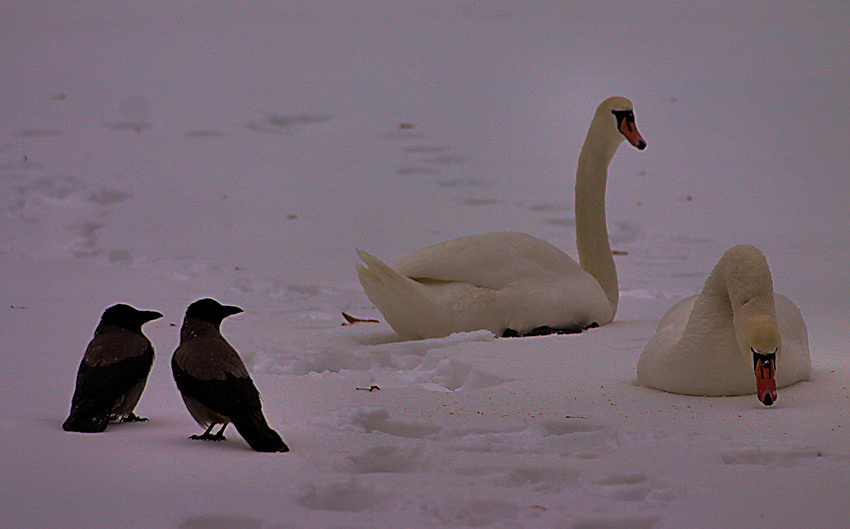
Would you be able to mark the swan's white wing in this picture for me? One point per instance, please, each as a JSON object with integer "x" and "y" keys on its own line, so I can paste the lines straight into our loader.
{"x": 694, "y": 353}
{"x": 495, "y": 281}
{"x": 655, "y": 368}
{"x": 493, "y": 260}
{"x": 794, "y": 364}
{"x": 427, "y": 309}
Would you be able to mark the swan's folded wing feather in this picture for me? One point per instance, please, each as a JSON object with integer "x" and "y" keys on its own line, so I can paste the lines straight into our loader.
{"x": 796, "y": 363}
{"x": 493, "y": 261}
{"x": 412, "y": 309}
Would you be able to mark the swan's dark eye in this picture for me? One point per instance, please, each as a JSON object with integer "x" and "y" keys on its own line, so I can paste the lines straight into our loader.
{"x": 763, "y": 359}
{"x": 624, "y": 115}
{"x": 625, "y": 121}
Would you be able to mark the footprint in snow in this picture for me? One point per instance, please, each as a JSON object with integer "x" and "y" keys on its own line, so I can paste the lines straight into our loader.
{"x": 58, "y": 215}
{"x": 221, "y": 521}
{"x": 287, "y": 123}
{"x": 633, "y": 487}
{"x": 579, "y": 439}
{"x": 426, "y": 159}
{"x": 391, "y": 459}
{"x": 415, "y": 170}
{"x": 535, "y": 478}
{"x": 348, "y": 495}
{"x": 468, "y": 183}
{"x": 40, "y": 133}
{"x": 763, "y": 457}
{"x": 626, "y": 522}
{"x": 204, "y": 133}
{"x": 478, "y": 512}
{"x": 378, "y": 420}
{"x": 134, "y": 115}
{"x": 477, "y": 202}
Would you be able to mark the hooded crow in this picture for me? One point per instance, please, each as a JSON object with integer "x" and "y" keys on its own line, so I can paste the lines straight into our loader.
{"x": 113, "y": 372}
{"x": 214, "y": 382}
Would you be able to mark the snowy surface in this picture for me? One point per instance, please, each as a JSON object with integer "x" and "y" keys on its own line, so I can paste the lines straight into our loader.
{"x": 156, "y": 155}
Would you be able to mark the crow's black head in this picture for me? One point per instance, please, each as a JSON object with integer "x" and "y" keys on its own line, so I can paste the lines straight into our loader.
{"x": 211, "y": 311}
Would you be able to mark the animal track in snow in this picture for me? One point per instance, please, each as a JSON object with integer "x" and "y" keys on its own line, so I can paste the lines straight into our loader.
{"x": 296, "y": 296}
{"x": 625, "y": 232}
{"x": 453, "y": 375}
{"x": 348, "y": 495}
{"x": 477, "y": 512}
{"x": 287, "y": 123}
{"x": 40, "y": 133}
{"x": 406, "y": 132}
{"x": 422, "y": 159}
{"x": 583, "y": 439}
{"x": 56, "y": 214}
{"x": 580, "y": 439}
{"x": 633, "y": 522}
{"x": 478, "y": 201}
{"x": 444, "y": 159}
{"x": 560, "y": 222}
{"x": 204, "y": 133}
{"x": 537, "y": 479}
{"x": 633, "y": 487}
{"x": 545, "y": 207}
{"x": 418, "y": 363}
{"x": 416, "y": 170}
{"x": 134, "y": 115}
{"x": 390, "y": 459}
{"x": 371, "y": 419}
{"x": 221, "y": 521}
{"x": 425, "y": 149}
{"x": 463, "y": 183}
{"x": 763, "y": 457}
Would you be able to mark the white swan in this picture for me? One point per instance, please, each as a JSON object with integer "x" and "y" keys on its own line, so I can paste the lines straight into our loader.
{"x": 736, "y": 337}
{"x": 513, "y": 283}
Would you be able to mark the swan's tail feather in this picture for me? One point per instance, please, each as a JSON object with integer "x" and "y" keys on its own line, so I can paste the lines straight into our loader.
{"x": 404, "y": 303}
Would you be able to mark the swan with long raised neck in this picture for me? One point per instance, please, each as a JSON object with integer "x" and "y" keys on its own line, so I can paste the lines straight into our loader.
{"x": 512, "y": 283}
{"x": 736, "y": 337}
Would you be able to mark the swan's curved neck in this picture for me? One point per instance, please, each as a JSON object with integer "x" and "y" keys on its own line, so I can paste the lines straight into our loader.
{"x": 594, "y": 249}
{"x": 738, "y": 290}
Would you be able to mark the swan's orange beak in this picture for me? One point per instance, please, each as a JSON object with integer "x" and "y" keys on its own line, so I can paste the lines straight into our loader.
{"x": 765, "y": 367}
{"x": 630, "y": 131}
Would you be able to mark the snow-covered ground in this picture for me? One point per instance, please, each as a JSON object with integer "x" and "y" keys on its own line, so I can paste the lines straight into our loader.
{"x": 158, "y": 154}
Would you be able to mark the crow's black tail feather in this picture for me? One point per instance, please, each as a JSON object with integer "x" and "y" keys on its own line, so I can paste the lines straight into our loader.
{"x": 256, "y": 431}
{"x": 83, "y": 419}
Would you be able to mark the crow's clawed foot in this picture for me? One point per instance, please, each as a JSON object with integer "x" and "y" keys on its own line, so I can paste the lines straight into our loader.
{"x": 133, "y": 418}
{"x": 206, "y": 436}
{"x": 209, "y": 436}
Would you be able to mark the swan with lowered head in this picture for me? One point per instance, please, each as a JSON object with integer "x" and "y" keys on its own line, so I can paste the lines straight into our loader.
{"x": 512, "y": 283}
{"x": 736, "y": 337}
